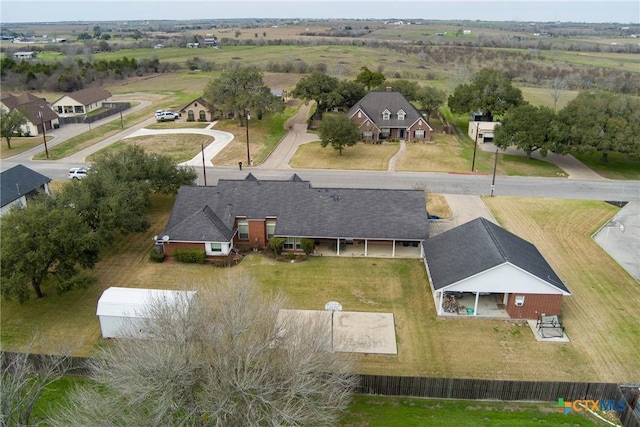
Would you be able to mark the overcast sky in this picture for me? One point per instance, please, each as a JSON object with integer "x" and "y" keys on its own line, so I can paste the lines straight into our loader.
{"x": 501, "y": 10}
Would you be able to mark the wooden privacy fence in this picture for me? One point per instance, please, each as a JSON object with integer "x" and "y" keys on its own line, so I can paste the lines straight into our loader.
{"x": 474, "y": 389}
{"x": 447, "y": 388}
{"x": 462, "y": 388}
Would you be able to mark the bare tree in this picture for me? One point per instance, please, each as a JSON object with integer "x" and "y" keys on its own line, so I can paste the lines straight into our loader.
{"x": 224, "y": 360}
{"x": 24, "y": 377}
{"x": 556, "y": 86}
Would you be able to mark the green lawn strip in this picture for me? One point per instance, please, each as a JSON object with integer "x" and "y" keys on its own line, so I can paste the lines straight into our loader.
{"x": 20, "y": 145}
{"x": 620, "y": 166}
{"x": 405, "y": 411}
{"x": 394, "y": 411}
{"x": 275, "y": 131}
{"x": 180, "y": 124}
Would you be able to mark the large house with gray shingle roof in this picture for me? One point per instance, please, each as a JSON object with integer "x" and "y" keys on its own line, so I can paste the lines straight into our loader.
{"x": 80, "y": 102}
{"x": 249, "y": 212}
{"x": 492, "y": 268}
{"x": 385, "y": 115}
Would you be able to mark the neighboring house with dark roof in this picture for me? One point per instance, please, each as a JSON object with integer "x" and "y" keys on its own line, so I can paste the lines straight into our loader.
{"x": 384, "y": 115}
{"x": 484, "y": 261}
{"x": 80, "y": 102}
{"x": 19, "y": 184}
{"x": 247, "y": 213}
{"x": 198, "y": 110}
{"x": 36, "y": 110}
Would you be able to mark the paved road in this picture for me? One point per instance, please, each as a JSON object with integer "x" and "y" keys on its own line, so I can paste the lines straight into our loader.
{"x": 582, "y": 183}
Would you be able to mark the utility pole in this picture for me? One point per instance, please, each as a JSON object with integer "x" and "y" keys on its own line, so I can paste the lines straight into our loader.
{"x": 475, "y": 147}
{"x": 204, "y": 169}
{"x": 44, "y": 133}
{"x": 248, "y": 154}
{"x": 495, "y": 166}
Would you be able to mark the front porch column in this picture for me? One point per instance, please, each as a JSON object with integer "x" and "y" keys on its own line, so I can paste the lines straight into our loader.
{"x": 475, "y": 307}
{"x": 393, "y": 251}
{"x": 440, "y": 303}
{"x": 338, "y": 247}
{"x": 421, "y": 249}
{"x": 366, "y": 247}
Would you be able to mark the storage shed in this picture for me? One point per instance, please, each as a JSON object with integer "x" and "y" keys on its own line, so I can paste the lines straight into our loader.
{"x": 122, "y": 310}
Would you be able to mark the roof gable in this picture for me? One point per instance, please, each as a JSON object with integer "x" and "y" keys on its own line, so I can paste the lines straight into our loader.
{"x": 375, "y": 104}
{"x": 478, "y": 246}
{"x": 18, "y": 181}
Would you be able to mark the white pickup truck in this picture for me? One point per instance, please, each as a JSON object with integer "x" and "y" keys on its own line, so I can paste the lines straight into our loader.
{"x": 165, "y": 116}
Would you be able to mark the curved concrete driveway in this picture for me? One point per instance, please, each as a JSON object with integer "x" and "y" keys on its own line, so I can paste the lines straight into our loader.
{"x": 219, "y": 141}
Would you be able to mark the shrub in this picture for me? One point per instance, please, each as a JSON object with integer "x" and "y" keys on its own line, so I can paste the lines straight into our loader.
{"x": 307, "y": 245}
{"x": 156, "y": 256}
{"x": 193, "y": 256}
{"x": 277, "y": 243}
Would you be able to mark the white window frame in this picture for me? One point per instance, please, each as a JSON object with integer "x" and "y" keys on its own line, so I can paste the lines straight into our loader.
{"x": 271, "y": 228}
{"x": 419, "y": 134}
{"x": 243, "y": 223}
{"x": 386, "y": 115}
{"x": 215, "y": 247}
{"x": 401, "y": 115}
{"x": 519, "y": 300}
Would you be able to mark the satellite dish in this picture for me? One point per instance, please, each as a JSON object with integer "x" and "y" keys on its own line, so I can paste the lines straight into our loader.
{"x": 333, "y": 306}
{"x": 165, "y": 238}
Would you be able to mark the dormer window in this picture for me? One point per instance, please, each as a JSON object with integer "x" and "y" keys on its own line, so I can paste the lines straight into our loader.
{"x": 386, "y": 115}
{"x": 401, "y": 115}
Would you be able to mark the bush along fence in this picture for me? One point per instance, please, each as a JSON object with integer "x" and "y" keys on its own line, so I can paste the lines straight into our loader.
{"x": 624, "y": 399}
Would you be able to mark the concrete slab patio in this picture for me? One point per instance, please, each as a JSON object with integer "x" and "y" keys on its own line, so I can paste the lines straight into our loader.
{"x": 353, "y": 332}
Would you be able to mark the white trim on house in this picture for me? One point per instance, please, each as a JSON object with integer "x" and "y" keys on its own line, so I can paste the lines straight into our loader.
{"x": 504, "y": 278}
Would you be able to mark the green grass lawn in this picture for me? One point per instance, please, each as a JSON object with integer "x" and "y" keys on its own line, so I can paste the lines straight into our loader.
{"x": 409, "y": 412}
{"x": 399, "y": 411}
{"x": 620, "y": 166}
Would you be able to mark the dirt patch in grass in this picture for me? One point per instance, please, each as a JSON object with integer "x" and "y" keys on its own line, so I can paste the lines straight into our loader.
{"x": 437, "y": 205}
{"x": 359, "y": 157}
{"x": 442, "y": 154}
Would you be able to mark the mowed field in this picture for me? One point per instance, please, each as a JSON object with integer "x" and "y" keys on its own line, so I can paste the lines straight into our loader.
{"x": 601, "y": 316}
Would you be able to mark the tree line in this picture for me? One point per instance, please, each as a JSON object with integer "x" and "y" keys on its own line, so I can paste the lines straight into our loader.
{"x": 527, "y": 67}
{"x": 595, "y": 121}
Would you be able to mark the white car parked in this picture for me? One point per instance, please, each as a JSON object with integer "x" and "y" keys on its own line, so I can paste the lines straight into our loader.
{"x": 78, "y": 173}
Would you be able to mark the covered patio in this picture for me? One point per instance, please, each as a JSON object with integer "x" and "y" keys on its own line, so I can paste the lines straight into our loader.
{"x": 470, "y": 304}
{"x": 369, "y": 248}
